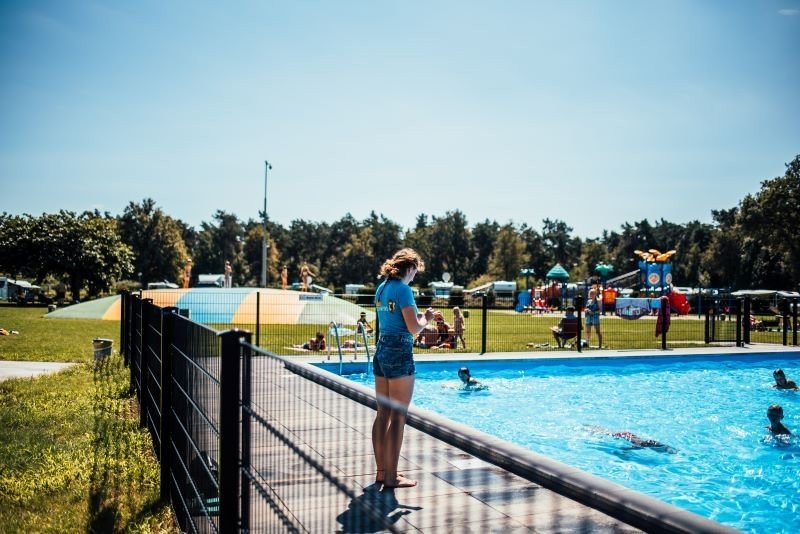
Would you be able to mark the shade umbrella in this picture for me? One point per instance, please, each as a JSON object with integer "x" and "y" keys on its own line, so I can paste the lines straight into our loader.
{"x": 560, "y": 274}
{"x": 557, "y": 273}
{"x": 232, "y": 306}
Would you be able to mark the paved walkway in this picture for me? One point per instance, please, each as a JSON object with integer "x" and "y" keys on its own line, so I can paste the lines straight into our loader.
{"x": 10, "y": 369}
{"x": 456, "y": 492}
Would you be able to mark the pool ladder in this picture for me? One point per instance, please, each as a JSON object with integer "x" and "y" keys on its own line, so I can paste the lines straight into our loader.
{"x": 334, "y": 327}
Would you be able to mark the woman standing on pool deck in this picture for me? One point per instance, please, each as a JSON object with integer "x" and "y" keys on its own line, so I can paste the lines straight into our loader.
{"x": 393, "y": 364}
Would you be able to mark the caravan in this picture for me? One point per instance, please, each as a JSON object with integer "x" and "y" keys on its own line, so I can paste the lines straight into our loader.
{"x": 18, "y": 290}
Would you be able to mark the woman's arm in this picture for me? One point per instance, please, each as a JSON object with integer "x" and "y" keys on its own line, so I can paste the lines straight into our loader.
{"x": 415, "y": 322}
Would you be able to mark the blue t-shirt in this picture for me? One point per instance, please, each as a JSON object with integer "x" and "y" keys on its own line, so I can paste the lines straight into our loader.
{"x": 390, "y": 299}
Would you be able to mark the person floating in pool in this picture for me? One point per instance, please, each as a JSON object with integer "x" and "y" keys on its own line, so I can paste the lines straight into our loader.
{"x": 776, "y": 428}
{"x": 781, "y": 382}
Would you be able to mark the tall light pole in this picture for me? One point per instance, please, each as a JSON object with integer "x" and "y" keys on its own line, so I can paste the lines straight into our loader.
{"x": 267, "y": 167}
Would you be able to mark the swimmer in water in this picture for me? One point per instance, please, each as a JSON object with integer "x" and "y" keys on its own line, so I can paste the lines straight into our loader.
{"x": 637, "y": 442}
{"x": 776, "y": 428}
{"x": 468, "y": 383}
{"x": 781, "y": 382}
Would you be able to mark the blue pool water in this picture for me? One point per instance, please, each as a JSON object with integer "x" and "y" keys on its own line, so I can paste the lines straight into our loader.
{"x": 711, "y": 409}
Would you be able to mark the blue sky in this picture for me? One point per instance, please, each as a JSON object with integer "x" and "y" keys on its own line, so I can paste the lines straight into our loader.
{"x": 594, "y": 113}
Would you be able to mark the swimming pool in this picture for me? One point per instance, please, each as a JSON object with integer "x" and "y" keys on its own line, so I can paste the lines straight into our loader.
{"x": 711, "y": 409}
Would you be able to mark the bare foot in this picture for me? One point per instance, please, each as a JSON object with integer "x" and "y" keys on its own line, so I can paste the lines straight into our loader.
{"x": 379, "y": 476}
{"x": 401, "y": 482}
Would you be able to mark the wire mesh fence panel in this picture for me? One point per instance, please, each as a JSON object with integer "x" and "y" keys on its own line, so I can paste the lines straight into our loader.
{"x": 306, "y": 449}
{"x": 195, "y": 451}
{"x": 151, "y": 375}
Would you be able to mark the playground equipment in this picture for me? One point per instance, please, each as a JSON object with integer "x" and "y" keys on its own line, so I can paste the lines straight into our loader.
{"x": 655, "y": 273}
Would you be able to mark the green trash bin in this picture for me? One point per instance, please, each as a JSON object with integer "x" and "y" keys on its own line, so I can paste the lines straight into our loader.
{"x": 102, "y": 348}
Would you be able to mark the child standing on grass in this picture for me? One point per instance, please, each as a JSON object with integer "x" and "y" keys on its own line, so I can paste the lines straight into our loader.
{"x": 458, "y": 327}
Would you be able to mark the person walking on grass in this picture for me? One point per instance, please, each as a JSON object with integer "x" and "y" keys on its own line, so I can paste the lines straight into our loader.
{"x": 393, "y": 364}
{"x": 592, "y": 312}
{"x": 458, "y": 327}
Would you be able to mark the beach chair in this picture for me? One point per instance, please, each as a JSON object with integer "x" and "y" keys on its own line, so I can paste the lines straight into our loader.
{"x": 568, "y": 332}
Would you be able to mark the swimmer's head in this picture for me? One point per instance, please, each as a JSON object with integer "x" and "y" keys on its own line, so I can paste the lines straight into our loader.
{"x": 775, "y": 413}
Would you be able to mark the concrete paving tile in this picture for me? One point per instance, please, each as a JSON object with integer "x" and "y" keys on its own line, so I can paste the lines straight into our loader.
{"x": 447, "y": 510}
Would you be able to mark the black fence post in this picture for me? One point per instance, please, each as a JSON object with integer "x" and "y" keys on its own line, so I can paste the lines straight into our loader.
{"x": 578, "y": 303}
{"x": 794, "y": 322}
{"x": 663, "y": 311}
{"x": 229, "y": 417}
{"x": 136, "y": 304}
{"x": 165, "y": 455}
{"x": 708, "y": 327}
{"x": 785, "y": 320}
{"x": 484, "y": 321}
{"x": 123, "y": 304}
{"x": 739, "y": 338}
{"x": 748, "y": 307}
{"x": 147, "y": 305}
{"x": 258, "y": 318}
{"x": 247, "y": 385}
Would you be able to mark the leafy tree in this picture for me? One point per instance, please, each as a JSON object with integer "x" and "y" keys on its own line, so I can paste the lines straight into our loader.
{"x": 16, "y": 253}
{"x": 768, "y": 223}
{"x": 509, "y": 254}
{"x": 558, "y": 244}
{"x": 449, "y": 240}
{"x": 86, "y": 248}
{"x": 534, "y": 249}
{"x": 218, "y": 242}
{"x": 592, "y": 253}
{"x": 419, "y": 238}
{"x": 484, "y": 237}
{"x": 721, "y": 259}
{"x": 156, "y": 239}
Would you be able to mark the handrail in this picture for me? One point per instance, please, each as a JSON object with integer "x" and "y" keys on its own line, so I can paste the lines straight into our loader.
{"x": 363, "y": 332}
{"x": 335, "y": 327}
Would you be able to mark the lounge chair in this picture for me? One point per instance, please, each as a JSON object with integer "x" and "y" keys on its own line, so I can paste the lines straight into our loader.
{"x": 568, "y": 331}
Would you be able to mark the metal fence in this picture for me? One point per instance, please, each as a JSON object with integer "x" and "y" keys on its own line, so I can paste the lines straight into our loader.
{"x": 282, "y": 321}
{"x": 251, "y": 441}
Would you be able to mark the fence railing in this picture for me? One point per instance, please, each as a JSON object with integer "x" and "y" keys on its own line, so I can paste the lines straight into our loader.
{"x": 282, "y": 322}
{"x": 252, "y": 441}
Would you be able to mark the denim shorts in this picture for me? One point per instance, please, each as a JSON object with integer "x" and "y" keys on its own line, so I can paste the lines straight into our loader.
{"x": 593, "y": 320}
{"x": 394, "y": 356}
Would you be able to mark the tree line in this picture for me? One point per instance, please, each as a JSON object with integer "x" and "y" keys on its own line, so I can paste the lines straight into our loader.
{"x": 754, "y": 244}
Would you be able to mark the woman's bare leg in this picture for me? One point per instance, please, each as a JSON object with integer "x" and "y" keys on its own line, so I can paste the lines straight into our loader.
{"x": 400, "y": 391}
{"x": 380, "y": 426}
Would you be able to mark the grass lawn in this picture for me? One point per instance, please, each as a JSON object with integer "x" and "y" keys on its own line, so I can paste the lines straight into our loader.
{"x": 509, "y": 331}
{"x": 72, "y": 456}
{"x": 50, "y": 340}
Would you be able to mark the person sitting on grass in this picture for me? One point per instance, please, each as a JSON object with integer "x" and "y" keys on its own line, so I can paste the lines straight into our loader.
{"x": 776, "y": 428}
{"x": 781, "y": 382}
{"x": 316, "y": 343}
{"x": 567, "y": 327}
{"x": 446, "y": 334}
{"x": 426, "y": 338}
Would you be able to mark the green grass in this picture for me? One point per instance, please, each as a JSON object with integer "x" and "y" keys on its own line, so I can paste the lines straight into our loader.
{"x": 50, "y": 340}
{"x": 72, "y": 455}
{"x": 508, "y": 331}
